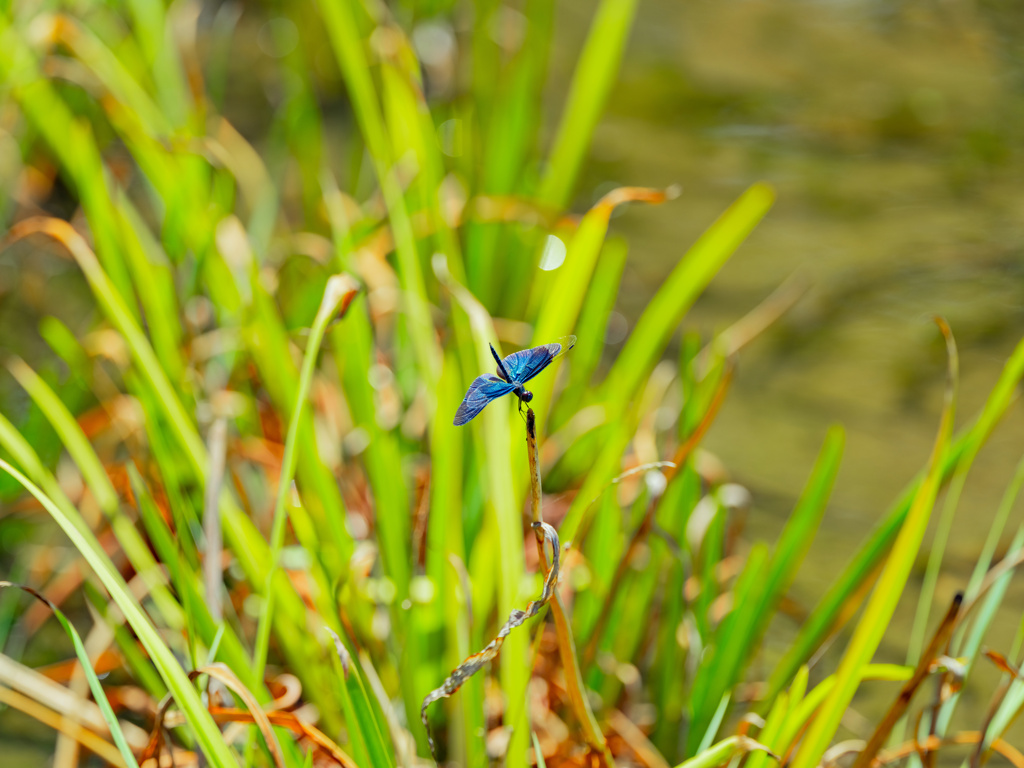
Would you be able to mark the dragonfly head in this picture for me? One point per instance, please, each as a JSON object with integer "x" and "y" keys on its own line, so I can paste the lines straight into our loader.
{"x": 527, "y": 396}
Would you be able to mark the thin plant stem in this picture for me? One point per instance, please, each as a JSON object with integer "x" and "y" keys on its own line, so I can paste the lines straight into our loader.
{"x": 340, "y": 290}
{"x": 566, "y": 645}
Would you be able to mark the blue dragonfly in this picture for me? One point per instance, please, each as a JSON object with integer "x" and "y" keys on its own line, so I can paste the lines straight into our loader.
{"x": 513, "y": 373}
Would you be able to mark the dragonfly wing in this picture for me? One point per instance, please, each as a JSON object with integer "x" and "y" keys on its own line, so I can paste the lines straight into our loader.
{"x": 483, "y": 389}
{"x": 523, "y": 366}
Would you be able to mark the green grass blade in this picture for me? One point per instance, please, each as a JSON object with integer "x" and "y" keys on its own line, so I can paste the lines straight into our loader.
{"x": 823, "y": 618}
{"x": 366, "y": 731}
{"x": 154, "y": 282}
{"x": 722, "y": 752}
{"x": 187, "y": 583}
{"x": 742, "y": 631}
{"x": 113, "y": 75}
{"x": 891, "y": 583}
{"x": 98, "y": 693}
{"x": 115, "y": 308}
{"x": 562, "y": 298}
{"x": 595, "y": 74}
{"x": 271, "y": 349}
{"x": 96, "y": 478}
{"x": 156, "y": 39}
{"x": 802, "y": 708}
{"x": 653, "y": 331}
{"x": 682, "y": 287}
{"x": 349, "y": 49}
{"x": 597, "y": 308}
{"x": 205, "y": 729}
{"x": 340, "y": 291}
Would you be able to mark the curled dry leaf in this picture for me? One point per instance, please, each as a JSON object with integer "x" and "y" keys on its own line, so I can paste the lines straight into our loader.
{"x": 517, "y": 618}
{"x": 224, "y": 675}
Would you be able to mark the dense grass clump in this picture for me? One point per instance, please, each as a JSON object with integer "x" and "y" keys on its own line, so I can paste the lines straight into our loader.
{"x": 242, "y": 421}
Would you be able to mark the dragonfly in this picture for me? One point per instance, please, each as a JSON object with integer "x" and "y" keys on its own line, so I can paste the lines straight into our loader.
{"x": 513, "y": 373}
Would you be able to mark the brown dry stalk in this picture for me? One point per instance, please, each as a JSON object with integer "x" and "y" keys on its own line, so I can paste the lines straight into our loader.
{"x": 566, "y": 644}
{"x": 222, "y": 673}
{"x": 292, "y": 722}
{"x": 65, "y": 725}
{"x": 902, "y": 702}
{"x": 933, "y": 743}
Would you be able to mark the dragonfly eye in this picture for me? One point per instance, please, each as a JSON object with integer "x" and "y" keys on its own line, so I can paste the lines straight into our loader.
{"x": 527, "y": 396}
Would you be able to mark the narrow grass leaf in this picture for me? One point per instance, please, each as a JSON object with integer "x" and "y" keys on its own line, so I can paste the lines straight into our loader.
{"x": 595, "y": 74}
{"x": 214, "y": 747}
{"x": 882, "y": 603}
{"x": 340, "y": 291}
{"x": 823, "y": 618}
{"x": 654, "y": 329}
{"x": 98, "y": 694}
{"x": 722, "y": 667}
{"x": 723, "y": 752}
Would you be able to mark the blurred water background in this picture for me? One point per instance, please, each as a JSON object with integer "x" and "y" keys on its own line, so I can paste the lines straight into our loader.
{"x": 892, "y": 132}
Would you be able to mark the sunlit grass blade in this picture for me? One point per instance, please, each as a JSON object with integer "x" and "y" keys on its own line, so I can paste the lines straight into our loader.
{"x": 900, "y": 705}
{"x": 559, "y": 295}
{"x": 882, "y": 604}
{"x": 695, "y": 270}
{"x": 90, "y": 674}
{"x": 823, "y": 618}
{"x": 723, "y": 752}
{"x": 560, "y": 299}
{"x": 943, "y": 527}
{"x": 214, "y": 747}
{"x": 271, "y": 350}
{"x": 116, "y": 309}
{"x": 340, "y": 291}
{"x": 339, "y": 19}
{"x": 596, "y": 71}
{"x": 722, "y": 665}
{"x": 654, "y": 329}
{"x": 803, "y": 707}
{"x": 77, "y": 444}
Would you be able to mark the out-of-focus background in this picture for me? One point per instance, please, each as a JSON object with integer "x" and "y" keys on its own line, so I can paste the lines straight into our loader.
{"x": 891, "y": 132}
